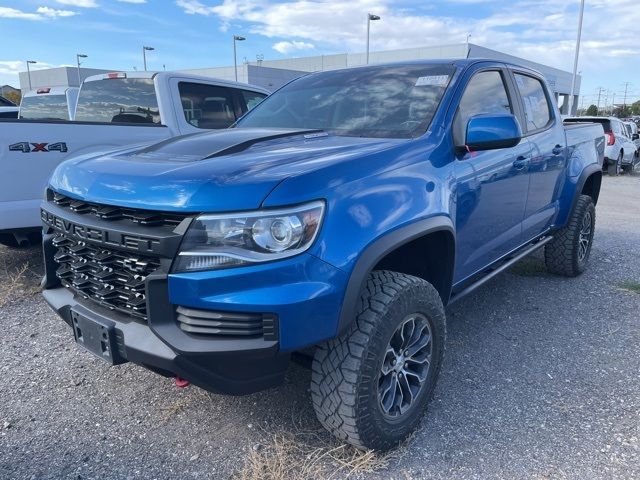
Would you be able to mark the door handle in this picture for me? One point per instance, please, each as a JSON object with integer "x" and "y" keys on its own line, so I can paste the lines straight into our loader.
{"x": 520, "y": 162}
{"x": 557, "y": 150}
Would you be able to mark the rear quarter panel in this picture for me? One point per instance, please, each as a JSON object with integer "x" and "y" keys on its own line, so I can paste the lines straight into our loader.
{"x": 585, "y": 155}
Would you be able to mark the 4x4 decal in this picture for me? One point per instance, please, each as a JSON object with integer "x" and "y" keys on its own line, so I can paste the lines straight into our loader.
{"x": 29, "y": 147}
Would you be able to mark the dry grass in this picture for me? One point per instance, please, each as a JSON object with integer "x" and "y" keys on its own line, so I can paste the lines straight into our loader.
{"x": 15, "y": 283}
{"x": 629, "y": 286}
{"x": 301, "y": 456}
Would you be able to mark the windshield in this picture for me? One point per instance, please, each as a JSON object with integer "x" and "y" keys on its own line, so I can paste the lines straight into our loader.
{"x": 118, "y": 100}
{"x": 45, "y": 107}
{"x": 389, "y": 102}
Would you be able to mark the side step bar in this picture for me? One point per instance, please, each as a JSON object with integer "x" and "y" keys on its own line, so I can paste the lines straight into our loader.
{"x": 523, "y": 253}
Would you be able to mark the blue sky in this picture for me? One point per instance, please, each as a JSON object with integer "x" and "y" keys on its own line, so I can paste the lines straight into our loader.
{"x": 197, "y": 33}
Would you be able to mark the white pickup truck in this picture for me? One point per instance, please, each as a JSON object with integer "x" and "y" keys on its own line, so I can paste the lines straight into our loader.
{"x": 49, "y": 103}
{"x": 113, "y": 110}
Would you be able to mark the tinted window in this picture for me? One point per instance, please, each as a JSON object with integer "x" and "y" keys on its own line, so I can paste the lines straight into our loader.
{"x": 251, "y": 99}
{"x": 485, "y": 93}
{"x": 207, "y": 106}
{"x": 606, "y": 124}
{"x": 536, "y": 106}
{"x": 394, "y": 102}
{"x": 45, "y": 107}
{"x": 118, "y": 100}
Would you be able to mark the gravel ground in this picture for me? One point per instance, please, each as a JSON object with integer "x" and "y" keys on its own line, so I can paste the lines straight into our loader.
{"x": 541, "y": 380}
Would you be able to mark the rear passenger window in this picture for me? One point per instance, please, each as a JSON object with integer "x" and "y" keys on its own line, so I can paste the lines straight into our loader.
{"x": 485, "y": 93}
{"x": 207, "y": 106}
{"x": 536, "y": 106}
{"x": 250, "y": 99}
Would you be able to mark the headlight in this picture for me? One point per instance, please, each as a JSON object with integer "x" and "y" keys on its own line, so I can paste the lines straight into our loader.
{"x": 221, "y": 241}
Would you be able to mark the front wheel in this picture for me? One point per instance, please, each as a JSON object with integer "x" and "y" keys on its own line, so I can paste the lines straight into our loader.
{"x": 567, "y": 254}
{"x": 370, "y": 386}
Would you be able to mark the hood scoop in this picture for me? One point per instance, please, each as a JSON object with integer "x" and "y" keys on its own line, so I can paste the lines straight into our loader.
{"x": 242, "y": 146}
{"x": 212, "y": 144}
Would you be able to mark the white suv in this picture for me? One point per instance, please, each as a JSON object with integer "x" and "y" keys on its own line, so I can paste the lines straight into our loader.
{"x": 632, "y": 131}
{"x": 620, "y": 151}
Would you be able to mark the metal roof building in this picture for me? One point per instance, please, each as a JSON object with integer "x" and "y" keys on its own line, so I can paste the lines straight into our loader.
{"x": 56, "y": 77}
{"x": 272, "y": 74}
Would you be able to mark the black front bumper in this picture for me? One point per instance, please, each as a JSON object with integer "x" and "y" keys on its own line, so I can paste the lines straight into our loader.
{"x": 220, "y": 370}
{"x": 233, "y": 364}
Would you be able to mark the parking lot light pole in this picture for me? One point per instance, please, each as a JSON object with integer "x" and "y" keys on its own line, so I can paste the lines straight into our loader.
{"x": 575, "y": 59}
{"x": 78, "y": 57}
{"x": 236, "y": 38}
{"x": 370, "y": 17}
{"x": 144, "y": 55}
{"x": 30, "y": 62}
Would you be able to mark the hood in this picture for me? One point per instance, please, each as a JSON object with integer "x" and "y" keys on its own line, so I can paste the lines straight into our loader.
{"x": 215, "y": 171}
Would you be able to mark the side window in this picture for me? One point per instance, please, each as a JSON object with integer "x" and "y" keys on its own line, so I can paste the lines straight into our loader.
{"x": 250, "y": 99}
{"x": 485, "y": 93}
{"x": 536, "y": 106}
{"x": 207, "y": 106}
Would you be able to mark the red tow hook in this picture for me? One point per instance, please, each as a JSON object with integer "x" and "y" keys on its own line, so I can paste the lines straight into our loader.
{"x": 182, "y": 383}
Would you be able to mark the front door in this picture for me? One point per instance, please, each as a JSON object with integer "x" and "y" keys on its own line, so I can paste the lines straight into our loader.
{"x": 491, "y": 185}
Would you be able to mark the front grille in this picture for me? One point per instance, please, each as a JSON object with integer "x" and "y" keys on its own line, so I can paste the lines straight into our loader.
{"x": 227, "y": 324}
{"x": 114, "y": 279}
{"x": 112, "y": 213}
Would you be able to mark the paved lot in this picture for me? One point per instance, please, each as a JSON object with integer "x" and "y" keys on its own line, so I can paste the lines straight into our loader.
{"x": 541, "y": 380}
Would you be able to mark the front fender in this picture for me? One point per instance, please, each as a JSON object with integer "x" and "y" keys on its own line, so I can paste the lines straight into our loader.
{"x": 377, "y": 250}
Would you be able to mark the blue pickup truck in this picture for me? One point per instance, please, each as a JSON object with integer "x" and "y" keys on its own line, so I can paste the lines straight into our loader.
{"x": 334, "y": 222}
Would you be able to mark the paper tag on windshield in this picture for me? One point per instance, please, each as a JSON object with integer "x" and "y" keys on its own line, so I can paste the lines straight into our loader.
{"x": 432, "y": 80}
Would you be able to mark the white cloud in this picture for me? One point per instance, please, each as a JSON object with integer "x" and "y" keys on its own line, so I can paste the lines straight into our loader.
{"x": 288, "y": 47}
{"x": 42, "y": 13}
{"x": 6, "y": 12}
{"x": 53, "y": 13}
{"x": 193, "y": 7}
{"x": 539, "y": 30}
{"x": 79, "y": 3}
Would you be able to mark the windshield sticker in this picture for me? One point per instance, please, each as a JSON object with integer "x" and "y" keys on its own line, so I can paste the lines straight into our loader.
{"x": 432, "y": 80}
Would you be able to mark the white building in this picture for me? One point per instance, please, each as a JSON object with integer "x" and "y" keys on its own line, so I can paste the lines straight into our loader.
{"x": 272, "y": 74}
{"x": 56, "y": 77}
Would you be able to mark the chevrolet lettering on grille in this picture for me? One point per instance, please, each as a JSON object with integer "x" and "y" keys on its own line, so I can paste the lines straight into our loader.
{"x": 106, "y": 237}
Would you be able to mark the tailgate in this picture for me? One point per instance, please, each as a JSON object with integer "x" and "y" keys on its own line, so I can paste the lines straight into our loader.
{"x": 31, "y": 150}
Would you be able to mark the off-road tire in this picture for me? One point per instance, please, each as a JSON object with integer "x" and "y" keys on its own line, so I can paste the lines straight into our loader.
{"x": 346, "y": 370}
{"x": 615, "y": 166}
{"x": 562, "y": 254}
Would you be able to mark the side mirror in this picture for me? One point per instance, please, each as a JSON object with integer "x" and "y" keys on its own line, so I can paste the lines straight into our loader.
{"x": 635, "y": 136}
{"x": 492, "y": 131}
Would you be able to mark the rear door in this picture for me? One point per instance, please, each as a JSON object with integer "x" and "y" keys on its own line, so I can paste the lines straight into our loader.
{"x": 491, "y": 185}
{"x": 545, "y": 134}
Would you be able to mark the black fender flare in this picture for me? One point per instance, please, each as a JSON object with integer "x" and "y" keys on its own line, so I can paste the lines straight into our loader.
{"x": 582, "y": 180}
{"x": 377, "y": 250}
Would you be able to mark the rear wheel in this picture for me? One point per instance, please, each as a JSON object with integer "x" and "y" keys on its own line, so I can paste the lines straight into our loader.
{"x": 567, "y": 254}
{"x": 614, "y": 166}
{"x": 370, "y": 386}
